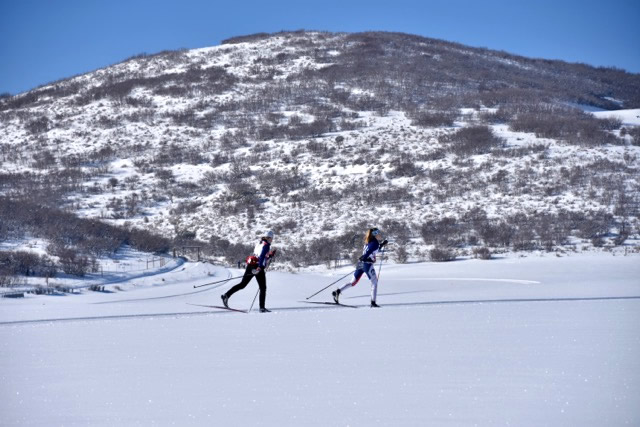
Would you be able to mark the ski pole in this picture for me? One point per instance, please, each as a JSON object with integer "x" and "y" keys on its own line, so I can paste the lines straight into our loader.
{"x": 380, "y": 269}
{"x": 254, "y": 299}
{"x": 332, "y": 283}
{"x": 220, "y": 281}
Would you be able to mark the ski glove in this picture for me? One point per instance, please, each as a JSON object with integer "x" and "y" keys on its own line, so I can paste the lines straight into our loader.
{"x": 256, "y": 271}
{"x": 382, "y": 245}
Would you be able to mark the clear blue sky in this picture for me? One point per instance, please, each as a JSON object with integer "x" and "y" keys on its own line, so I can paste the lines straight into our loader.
{"x": 46, "y": 40}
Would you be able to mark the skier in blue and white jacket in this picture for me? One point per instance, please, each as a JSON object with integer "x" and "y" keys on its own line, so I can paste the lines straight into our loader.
{"x": 366, "y": 262}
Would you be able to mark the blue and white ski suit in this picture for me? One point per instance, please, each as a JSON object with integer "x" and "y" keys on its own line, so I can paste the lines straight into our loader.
{"x": 368, "y": 259}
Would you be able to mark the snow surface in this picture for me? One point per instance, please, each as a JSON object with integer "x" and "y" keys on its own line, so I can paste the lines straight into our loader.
{"x": 628, "y": 117}
{"x": 542, "y": 340}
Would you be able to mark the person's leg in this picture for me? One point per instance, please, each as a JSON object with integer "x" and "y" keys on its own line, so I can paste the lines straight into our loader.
{"x": 243, "y": 283}
{"x": 262, "y": 284}
{"x": 356, "y": 278}
{"x": 371, "y": 274}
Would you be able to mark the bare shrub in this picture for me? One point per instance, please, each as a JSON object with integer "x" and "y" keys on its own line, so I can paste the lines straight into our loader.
{"x": 634, "y": 133}
{"x": 439, "y": 254}
{"x": 432, "y": 119}
{"x": 26, "y": 263}
{"x": 595, "y": 225}
{"x": 496, "y": 234}
{"x": 482, "y": 253}
{"x": 473, "y": 140}
{"x": 442, "y": 232}
{"x": 406, "y": 168}
{"x": 400, "y": 231}
{"x": 71, "y": 261}
{"x": 237, "y": 252}
{"x": 401, "y": 255}
{"x": 38, "y": 125}
{"x": 568, "y": 124}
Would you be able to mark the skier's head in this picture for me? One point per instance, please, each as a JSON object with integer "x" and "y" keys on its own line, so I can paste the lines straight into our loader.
{"x": 268, "y": 236}
{"x": 372, "y": 233}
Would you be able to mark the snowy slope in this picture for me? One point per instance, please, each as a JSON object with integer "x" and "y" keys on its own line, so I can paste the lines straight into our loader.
{"x": 514, "y": 341}
{"x": 148, "y": 128}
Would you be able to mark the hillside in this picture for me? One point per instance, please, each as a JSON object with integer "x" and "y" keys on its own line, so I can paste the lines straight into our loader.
{"x": 317, "y": 135}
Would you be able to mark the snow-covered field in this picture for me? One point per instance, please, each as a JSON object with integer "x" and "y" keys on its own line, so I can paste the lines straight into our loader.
{"x": 541, "y": 340}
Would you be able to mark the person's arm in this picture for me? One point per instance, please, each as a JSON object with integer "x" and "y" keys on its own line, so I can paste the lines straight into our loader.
{"x": 371, "y": 248}
{"x": 262, "y": 259}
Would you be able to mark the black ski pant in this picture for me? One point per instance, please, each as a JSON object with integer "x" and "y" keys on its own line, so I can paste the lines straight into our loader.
{"x": 261, "y": 277}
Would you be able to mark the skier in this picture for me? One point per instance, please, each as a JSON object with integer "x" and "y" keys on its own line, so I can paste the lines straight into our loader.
{"x": 365, "y": 265}
{"x": 256, "y": 266}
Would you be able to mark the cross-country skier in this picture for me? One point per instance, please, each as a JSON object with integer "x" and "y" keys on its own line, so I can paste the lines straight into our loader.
{"x": 256, "y": 266}
{"x": 365, "y": 265}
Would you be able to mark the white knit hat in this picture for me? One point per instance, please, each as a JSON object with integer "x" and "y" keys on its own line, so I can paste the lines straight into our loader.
{"x": 269, "y": 234}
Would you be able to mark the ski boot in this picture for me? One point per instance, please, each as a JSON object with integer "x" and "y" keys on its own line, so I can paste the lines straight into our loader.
{"x": 374, "y": 305}
{"x": 336, "y": 295}
{"x": 225, "y": 300}
{"x": 264, "y": 310}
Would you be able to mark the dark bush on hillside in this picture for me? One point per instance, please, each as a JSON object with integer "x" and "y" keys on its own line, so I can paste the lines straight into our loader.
{"x": 26, "y": 263}
{"x": 610, "y": 123}
{"x": 634, "y": 133}
{"x": 482, "y": 253}
{"x": 218, "y": 245}
{"x": 568, "y": 124}
{"x": 596, "y": 225}
{"x": 298, "y": 130}
{"x": 401, "y": 255}
{"x": 440, "y": 254}
{"x": 404, "y": 169}
{"x": 327, "y": 250}
{"x": 552, "y": 230}
{"x": 496, "y": 234}
{"x": 621, "y": 237}
{"x": 71, "y": 261}
{"x": 326, "y": 253}
{"x": 473, "y": 140}
{"x": 175, "y": 90}
{"x": 38, "y": 125}
{"x": 397, "y": 230}
{"x": 246, "y": 39}
{"x": 147, "y": 242}
{"x": 65, "y": 230}
{"x": 434, "y": 119}
{"x": 211, "y": 80}
{"x": 237, "y": 252}
{"x": 278, "y": 182}
{"x": 442, "y": 232}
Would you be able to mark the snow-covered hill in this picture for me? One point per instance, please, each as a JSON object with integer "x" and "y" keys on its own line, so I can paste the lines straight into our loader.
{"x": 475, "y": 153}
{"x": 317, "y": 135}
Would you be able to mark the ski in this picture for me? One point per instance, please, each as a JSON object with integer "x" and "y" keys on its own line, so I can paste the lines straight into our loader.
{"x": 220, "y": 307}
{"x": 331, "y": 303}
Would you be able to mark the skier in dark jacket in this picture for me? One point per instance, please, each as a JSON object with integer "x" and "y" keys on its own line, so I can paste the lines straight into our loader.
{"x": 256, "y": 266}
{"x": 365, "y": 265}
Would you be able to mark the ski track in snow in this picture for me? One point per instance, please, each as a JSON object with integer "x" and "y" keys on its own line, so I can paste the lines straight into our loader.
{"x": 324, "y": 307}
{"x": 470, "y": 279}
{"x": 181, "y": 295}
